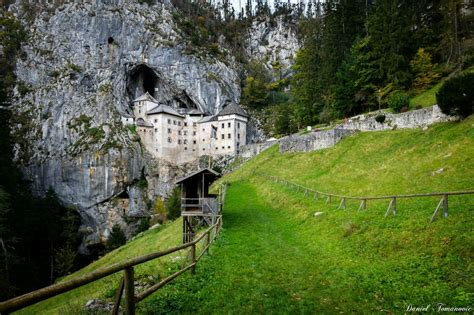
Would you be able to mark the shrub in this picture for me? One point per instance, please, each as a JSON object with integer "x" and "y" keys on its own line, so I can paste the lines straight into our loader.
{"x": 173, "y": 205}
{"x": 380, "y": 118}
{"x": 116, "y": 238}
{"x": 143, "y": 225}
{"x": 456, "y": 96}
{"x": 398, "y": 100}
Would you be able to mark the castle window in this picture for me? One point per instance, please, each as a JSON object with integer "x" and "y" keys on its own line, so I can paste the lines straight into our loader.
{"x": 169, "y": 130}
{"x": 179, "y": 123}
{"x": 228, "y": 125}
{"x": 204, "y": 149}
{"x": 217, "y": 148}
{"x": 174, "y": 122}
{"x": 228, "y": 135}
{"x": 179, "y": 132}
{"x": 203, "y": 129}
{"x": 223, "y": 147}
{"x": 222, "y": 125}
{"x": 222, "y": 136}
{"x": 203, "y": 139}
{"x": 185, "y": 132}
{"x": 194, "y": 133}
{"x": 169, "y": 121}
{"x": 228, "y": 147}
{"x": 238, "y": 125}
{"x": 169, "y": 140}
{"x": 179, "y": 141}
{"x": 139, "y": 111}
{"x": 156, "y": 120}
{"x": 238, "y": 136}
{"x": 156, "y": 150}
{"x": 156, "y": 129}
{"x": 185, "y": 141}
{"x": 194, "y": 124}
{"x": 185, "y": 124}
{"x": 185, "y": 148}
{"x": 194, "y": 141}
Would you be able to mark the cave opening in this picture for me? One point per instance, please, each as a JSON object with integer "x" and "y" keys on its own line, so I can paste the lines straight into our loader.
{"x": 124, "y": 195}
{"x": 110, "y": 40}
{"x": 142, "y": 79}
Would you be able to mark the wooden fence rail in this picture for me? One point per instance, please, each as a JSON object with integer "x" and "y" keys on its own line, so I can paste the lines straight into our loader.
{"x": 127, "y": 284}
{"x": 363, "y": 205}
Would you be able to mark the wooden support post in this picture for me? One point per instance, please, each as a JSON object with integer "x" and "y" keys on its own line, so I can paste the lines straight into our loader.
{"x": 118, "y": 297}
{"x": 394, "y": 206}
{"x": 342, "y": 205}
{"x": 445, "y": 205}
{"x": 128, "y": 280}
{"x": 193, "y": 258}
{"x": 315, "y": 196}
{"x": 208, "y": 240}
{"x": 389, "y": 207}
{"x": 363, "y": 205}
{"x": 306, "y": 192}
{"x": 433, "y": 217}
{"x": 328, "y": 200}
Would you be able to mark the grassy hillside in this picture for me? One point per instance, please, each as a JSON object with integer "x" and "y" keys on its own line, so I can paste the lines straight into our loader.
{"x": 152, "y": 241}
{"x": 276, "y": 256}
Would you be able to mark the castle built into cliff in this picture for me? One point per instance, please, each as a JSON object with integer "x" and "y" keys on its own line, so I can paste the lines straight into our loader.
{"x": 183, "y": 135}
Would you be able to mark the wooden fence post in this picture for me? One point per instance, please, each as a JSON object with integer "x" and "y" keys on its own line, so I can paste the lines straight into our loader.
{"x": 129, "y": 287}
{"x": 445, "y": 205}
{"x": 392, "y": 206}
{"x": 118, "y": 297}
{"x": 208, "y": 240}
{"x": 328, "y": 200}
{"x": 306, "y": 193}
{"x": 193, "y": 258}
{"x": 342, "y": 205}
{"x": 315, "y": 196}
{"x": 363, "y": 205}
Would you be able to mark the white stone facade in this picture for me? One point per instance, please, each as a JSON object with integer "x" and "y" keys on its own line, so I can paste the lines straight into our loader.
{"x": 183, "y": 135}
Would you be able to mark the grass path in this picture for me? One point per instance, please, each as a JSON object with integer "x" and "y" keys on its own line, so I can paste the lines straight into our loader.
{"x": 275, "y": 257}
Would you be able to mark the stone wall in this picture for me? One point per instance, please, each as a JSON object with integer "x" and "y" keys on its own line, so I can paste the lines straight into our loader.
{"x": 250, "y": 150}
{"x": 413, "y": 119}
{"x": 313, "y": 141}
{"x": 318, "y": 140}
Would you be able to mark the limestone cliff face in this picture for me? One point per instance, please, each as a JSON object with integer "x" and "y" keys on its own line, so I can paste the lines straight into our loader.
{"x": 83, "y": 64}
{"x": 273, "y": 41}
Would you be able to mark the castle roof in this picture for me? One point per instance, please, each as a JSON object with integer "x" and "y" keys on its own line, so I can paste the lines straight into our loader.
{"x": 160, "y": 109}
{"x": 145, "y": 97}
{"x": 232, "y": 109}
{"x": 195, "y": 111}
{"x": 208, "y": 119}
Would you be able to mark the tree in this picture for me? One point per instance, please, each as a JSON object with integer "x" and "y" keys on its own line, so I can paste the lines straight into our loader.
{"x": 116, "y": 238}
{"x": 423, "y": 70}
{"x": 173, "y": 204}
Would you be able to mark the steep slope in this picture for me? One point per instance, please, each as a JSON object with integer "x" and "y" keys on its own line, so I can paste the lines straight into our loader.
{"x": 276, "y": 256}
{"x": 151, "y": 241}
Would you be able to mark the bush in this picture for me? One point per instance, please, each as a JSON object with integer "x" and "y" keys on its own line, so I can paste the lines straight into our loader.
{"x": 398, "y": 100}
{"x": 380, "y": 118}
{"x": 117, "y": 238}
{"x": 173, "y": 205}
{"x": 456, "y": 96}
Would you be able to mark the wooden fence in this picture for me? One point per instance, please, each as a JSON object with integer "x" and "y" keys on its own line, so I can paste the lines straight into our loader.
{"x": 127, "y": 283}
{"x": 392, "y": 206}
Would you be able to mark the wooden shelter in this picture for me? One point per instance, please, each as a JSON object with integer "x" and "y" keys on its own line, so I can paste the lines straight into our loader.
{"x": 198, "y": 206}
